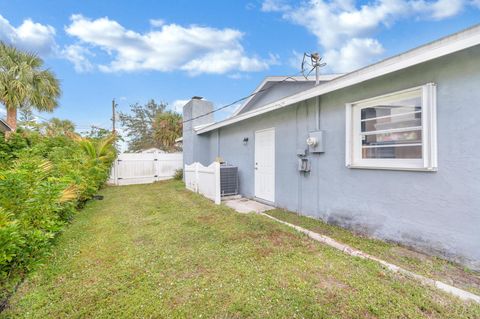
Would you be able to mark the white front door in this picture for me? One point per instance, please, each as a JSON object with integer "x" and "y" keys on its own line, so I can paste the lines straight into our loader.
{"x": 265, "y": 164}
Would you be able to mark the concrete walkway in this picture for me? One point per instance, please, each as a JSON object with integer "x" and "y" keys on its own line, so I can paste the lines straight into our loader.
{"x": 245, "y": 206}
{"x": 460, "y": 293}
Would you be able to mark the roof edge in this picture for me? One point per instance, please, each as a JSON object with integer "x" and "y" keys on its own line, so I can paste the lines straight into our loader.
{"x": 281, "y": 78}
{"x": 444, "y": 46}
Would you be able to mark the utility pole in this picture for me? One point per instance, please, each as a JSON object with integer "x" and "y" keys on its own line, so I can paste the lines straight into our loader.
{"x": 113, "y": 116}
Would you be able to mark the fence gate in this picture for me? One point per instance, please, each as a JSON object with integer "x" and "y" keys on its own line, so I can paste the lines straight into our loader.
{"x": 144, "y": 168}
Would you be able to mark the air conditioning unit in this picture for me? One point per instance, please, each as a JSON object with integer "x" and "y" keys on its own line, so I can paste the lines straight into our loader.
{"x": 228, "y": 180}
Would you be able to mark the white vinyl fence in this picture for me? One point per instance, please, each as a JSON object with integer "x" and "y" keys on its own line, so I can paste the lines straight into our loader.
{"x": 144, "y": 168}
{"x": 204, "y": 180}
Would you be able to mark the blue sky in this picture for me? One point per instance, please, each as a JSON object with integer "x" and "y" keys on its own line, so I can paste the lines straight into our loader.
{"x": 171, "y": 50}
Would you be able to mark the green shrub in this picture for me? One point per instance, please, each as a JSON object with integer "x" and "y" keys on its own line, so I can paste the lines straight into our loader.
{"x": 11, "y": 241}
{"x": 43, "y": 180}
{"x": 178, "y": 174}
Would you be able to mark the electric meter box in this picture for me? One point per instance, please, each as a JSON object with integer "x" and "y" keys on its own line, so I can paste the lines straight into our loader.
{"x": 316, "y": 142}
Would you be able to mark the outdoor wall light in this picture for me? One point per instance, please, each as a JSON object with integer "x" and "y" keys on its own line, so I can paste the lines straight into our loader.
{"x": 245, "y": 140}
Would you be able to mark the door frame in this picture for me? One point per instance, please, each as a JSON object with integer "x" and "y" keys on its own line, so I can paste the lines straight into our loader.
{"x": 273, "y": 164}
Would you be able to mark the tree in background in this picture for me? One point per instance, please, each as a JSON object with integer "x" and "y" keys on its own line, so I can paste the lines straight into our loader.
{"x": 56, "y": 127}
{"x": 97, "y": 133}
{"x": 24, "y": 82}
{"x": 167, "y": 127}
{"x": 27, "y": 120}
{"x": 151, "y": 125}
{"x": 26, "y": 114}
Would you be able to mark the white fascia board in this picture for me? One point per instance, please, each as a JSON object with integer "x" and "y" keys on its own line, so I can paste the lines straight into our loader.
{"x": 301, "y": 78}
{"x": 201, "y": 126}
{"x": 279, "y": 78}
{"x": 450, "y": 44}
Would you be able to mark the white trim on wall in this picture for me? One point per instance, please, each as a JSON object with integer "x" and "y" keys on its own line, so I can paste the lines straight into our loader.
{"x": 353, "y": 142}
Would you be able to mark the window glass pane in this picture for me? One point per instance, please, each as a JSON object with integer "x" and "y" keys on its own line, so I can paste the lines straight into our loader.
{"x": 394, "y": 107}
{"x": 413, "y": 119}
{"x": 396, "y": 114}
{"x": 403, "y": 137}
{"x": 397, "y": 151}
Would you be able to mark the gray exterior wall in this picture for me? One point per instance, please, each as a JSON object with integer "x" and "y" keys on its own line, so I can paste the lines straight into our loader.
{"x": 437, "y": 212}
{"x": 195, "y": 146}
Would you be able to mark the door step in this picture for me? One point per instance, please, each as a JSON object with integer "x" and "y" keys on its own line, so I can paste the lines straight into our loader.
{"x": 245, "y": 205}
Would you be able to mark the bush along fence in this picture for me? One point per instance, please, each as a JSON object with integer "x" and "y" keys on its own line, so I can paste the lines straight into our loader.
{"x": 204, "y": 180}
{"x": 43, "y": 181}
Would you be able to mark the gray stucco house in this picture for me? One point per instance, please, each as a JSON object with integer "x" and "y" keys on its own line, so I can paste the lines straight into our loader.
{"x": 391, "y": 150}
{"x": 4, "y": 126}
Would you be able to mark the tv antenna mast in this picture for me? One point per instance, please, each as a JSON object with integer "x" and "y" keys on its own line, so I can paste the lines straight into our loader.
{"x": 315, "y": 63}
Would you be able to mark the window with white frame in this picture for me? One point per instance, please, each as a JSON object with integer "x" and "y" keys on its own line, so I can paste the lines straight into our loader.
{"x": 393, "y": 131}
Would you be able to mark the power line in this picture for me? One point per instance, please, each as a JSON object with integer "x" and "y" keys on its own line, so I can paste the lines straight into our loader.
{"x": 315, "y": 66}
{"x": 77, "y": 126}
{"x": 245, "y": 97}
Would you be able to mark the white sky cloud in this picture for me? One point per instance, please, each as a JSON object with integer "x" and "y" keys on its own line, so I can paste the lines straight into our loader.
{"x": 194, "y": 49}
{"x": 295, "y": 60}
{"x": 157, "y": 22}
{"x": 78, "y": 56}
{"x": 177, "y": 105}
{"x": 356, "y": 53}
{"x": 345, "y": 30}
{"x": 29, "y": 35}
{"x": 239, "y": 76}
{"x": 440, "y": 9}
{"x": 274, "y": 5}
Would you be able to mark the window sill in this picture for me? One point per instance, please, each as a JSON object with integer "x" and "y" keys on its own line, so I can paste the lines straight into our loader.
{"x": 391, "y": 168}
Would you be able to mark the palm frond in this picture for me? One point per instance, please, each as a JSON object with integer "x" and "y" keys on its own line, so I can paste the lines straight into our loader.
{"x": 74, "y": 136}
{"x": 68, "y": 194}
{"x": 89, "y": 148}
{"x": 22, "y": 81}
{"x": 46, "y": 166}
{"x": 104, "y": 146}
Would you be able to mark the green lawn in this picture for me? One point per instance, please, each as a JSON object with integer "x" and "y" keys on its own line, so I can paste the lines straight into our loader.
{"x": 158, "y": 251}
{"x": 428, "y": 266}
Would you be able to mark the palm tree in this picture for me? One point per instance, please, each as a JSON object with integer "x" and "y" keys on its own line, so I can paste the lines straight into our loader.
{"x": 24, "y": 82}
{"x": 166, "y": 128}
{"x": 102, "y": 149}
{"x": 56, "y": 126}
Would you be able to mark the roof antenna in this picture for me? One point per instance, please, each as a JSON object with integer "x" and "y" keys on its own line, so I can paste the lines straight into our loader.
{"x": 315, "y": 63}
